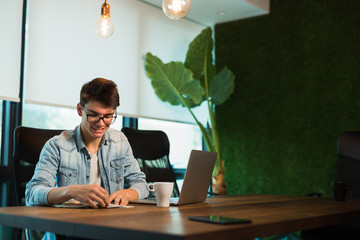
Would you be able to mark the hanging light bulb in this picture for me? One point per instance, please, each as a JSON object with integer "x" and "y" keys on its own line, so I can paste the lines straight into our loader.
{"x": 176, "y": 9}
{"x": 104, "y": 27}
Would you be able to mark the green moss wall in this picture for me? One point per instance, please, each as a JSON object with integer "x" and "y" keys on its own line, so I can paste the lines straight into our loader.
{"x": 297, "y": 88}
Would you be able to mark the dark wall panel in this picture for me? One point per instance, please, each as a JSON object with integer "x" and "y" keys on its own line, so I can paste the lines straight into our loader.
{"x": 297, "y": 88}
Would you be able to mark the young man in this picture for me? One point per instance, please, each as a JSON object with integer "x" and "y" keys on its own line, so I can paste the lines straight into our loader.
{"x": 93, "y": 163}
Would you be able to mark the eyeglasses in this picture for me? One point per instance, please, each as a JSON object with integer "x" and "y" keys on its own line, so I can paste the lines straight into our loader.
{"x": 94, "y": 118}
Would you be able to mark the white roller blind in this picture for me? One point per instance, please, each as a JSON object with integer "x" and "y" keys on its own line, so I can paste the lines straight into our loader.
{"x": 169, "y": 40}
{"x": 64, "y": 52}
{"x": 10, "y": 49}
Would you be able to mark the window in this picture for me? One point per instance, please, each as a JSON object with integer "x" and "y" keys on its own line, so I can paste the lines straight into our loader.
{"x": 6, "y": 130}
{"x": 5, "y": 232}
{"x": 3, "y": 193}
{"x": 39, "y": 116}
{"x": 183, "y": 138}
{"x": 1, "y": 114}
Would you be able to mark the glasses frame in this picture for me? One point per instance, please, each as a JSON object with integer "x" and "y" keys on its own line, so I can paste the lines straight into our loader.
{"x": 99, "y": 118}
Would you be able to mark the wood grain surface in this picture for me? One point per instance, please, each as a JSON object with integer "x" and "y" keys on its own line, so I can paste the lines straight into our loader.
{"x": 270, "y": 215}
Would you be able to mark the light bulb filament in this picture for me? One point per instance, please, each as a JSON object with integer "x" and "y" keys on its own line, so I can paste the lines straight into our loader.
{"x": 176, "y": 6}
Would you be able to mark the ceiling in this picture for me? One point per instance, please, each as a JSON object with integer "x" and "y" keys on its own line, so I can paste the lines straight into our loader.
{"x": 211, "y": 12}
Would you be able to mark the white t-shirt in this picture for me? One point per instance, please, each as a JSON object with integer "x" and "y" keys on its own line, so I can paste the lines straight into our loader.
{"x": 95, "y": 175}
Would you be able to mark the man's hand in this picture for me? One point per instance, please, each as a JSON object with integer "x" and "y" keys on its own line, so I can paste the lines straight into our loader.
{"x": 83, "y": 193}
{"x": 90, "y": 193}
{"x": 122, "y": 197}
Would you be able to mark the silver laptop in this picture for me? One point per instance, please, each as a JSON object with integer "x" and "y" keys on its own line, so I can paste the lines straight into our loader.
{"x": 196, "y": 181}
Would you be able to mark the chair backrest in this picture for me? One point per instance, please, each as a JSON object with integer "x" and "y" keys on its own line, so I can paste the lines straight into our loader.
{"x": 348, "y": 168}
{"x": 28, "y": 143}
{"x": 151, "y": 148}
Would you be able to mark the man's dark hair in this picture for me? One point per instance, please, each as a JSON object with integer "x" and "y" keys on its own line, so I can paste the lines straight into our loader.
{"x": 100, "y": 90}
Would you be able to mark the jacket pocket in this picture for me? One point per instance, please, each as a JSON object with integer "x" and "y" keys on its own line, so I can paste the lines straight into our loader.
{"x": 117, "y": 170}
{"x": 66, "y": 176}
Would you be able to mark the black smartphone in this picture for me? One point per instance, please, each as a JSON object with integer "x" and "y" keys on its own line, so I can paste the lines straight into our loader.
{"x": 219, "y": 219}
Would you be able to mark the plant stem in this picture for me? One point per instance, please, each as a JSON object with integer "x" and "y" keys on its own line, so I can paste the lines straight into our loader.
{"x": 203, "y": 130}
{"x": 219, "y": 166}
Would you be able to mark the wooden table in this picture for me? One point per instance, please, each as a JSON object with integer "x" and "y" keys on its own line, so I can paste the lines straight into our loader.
{"x": 271, "y": 215}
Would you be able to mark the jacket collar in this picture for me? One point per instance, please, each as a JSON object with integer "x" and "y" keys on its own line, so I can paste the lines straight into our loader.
{"x": 79, "y": 140}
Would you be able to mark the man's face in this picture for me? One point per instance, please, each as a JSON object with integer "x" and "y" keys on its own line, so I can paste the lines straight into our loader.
{"x": 96, "y": 118}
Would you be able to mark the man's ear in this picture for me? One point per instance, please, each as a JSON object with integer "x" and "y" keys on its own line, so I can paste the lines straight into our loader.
{"x": 79, "y": 109}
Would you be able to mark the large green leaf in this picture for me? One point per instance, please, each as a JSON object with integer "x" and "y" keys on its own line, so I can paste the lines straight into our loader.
{"x": 191, "y": 83}
{"x": 199, "y": 55}
{"x": 222, "y": 86}
{"x": 173, "y": 82}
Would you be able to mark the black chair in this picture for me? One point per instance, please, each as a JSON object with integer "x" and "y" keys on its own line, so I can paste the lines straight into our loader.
{"x": 348, "y": 170}
{"x": 28, "y": 143}
{"x": 151, "y": 149}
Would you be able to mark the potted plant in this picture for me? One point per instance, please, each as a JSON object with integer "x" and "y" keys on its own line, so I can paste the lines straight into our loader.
{"x": 189, "y": 84}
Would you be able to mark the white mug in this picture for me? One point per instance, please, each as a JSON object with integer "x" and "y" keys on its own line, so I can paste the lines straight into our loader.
{"x": 163, "y": 192}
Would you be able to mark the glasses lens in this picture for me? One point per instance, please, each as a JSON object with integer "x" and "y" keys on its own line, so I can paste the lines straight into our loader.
{"x": 108, "y": 119}
{"x": 92, "y": 118}
{"x": 113, "y": 119}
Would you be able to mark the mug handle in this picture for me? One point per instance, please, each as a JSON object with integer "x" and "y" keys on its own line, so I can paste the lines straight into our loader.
{"x": 153, "y": 187}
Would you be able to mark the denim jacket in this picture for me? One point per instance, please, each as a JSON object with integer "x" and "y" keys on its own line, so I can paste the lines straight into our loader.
{"x": 64, "y": 160}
